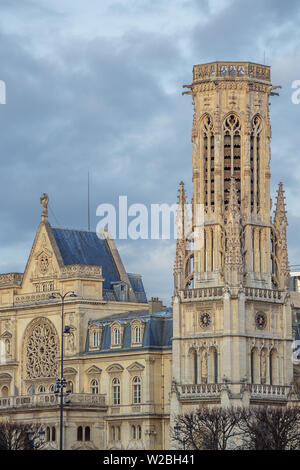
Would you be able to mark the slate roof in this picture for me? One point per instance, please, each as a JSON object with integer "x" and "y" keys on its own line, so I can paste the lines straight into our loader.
{"x": 157, "y": 334}
{"x": 85, "y": 247}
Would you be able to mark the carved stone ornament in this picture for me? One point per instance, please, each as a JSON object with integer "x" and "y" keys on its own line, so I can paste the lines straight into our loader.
{"x": 41, "y": 350}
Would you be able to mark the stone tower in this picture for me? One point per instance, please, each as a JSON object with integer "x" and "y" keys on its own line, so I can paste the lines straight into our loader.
{"x": 232, "y": 316}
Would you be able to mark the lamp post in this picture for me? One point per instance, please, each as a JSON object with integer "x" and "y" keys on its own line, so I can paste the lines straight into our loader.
{"x": 60, "y": 382}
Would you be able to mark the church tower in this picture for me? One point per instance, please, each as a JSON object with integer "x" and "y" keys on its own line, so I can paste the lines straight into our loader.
{"x": 232, "y": 315}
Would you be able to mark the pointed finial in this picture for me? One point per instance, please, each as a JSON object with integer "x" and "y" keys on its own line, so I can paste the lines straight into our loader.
{"x": 280, "y": 212}
{"x": 44, "y": 201}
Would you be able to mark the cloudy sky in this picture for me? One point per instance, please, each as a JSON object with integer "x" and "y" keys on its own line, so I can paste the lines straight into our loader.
{"x": 96, "y": 86}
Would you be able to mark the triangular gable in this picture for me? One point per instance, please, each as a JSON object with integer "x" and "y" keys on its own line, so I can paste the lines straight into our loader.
{"x": 44, "y": 259}
{"x": 93, "y": 370}
{"x": 135, "y": 367}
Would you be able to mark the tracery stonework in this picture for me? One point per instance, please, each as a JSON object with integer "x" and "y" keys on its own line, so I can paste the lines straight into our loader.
{"x": 41, "y": 350}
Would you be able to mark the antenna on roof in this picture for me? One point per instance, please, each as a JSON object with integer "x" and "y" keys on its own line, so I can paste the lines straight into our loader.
{"x": 89, "y": 216}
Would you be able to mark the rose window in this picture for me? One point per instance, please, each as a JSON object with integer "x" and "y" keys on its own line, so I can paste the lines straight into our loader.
{"x": 42, "y": 350}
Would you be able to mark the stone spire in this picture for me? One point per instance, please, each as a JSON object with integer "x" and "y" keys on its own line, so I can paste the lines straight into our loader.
{"x": 182, "y": 225}
{"x": 280, "y": 252}
{"x": 233, "y": 260}
{"x": 44, "y": 201}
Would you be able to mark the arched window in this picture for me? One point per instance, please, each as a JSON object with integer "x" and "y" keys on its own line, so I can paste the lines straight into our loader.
{"x": 133, "y": 432}
{"x": 255, "y": 369}
{"x": 116, "y": 391}
{"x": 117, "y": 336}
{"x": 37, "y": 288}
{"x": 139, "y": 432}
{"x": 42, "y": 389}
{"x": 137, "y": 334}
{"x": 70, "y": 386}
{"x": 95, "y": 339}
{"x": 274, "y": 379}
{"x": 136, "y": 390}
{"x": 51, "y": 388}
{"x": 53, "y": 433}
{"x": 79, "y": 433}
{"x": 94, "y": 387}
{"x": 51, "y": 286}
{"x": 44, "y": 287}
{"x": 232, "y": 155}
{"x": 4, "y": 391}
{"x": 47, "y": 434}
{"x": 213, "y": 365}
{"x": 87, "y": 433}
{"x": 194, "y": 366}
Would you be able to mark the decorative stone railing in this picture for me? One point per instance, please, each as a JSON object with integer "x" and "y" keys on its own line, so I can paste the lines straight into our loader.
{"x": 252, "y": 293}
{"x": 51, "y": 399}
{"x": 201, "y": 293}
{"x": 272, "y": 391}
{"x": 263, "y": 294}
{"x": 80, "y": 270}
{"x": 32, "y": 298}
{"x": 11, "y": 279}
{"x": 234, "y": 70}
{"x": 192, "y": 391}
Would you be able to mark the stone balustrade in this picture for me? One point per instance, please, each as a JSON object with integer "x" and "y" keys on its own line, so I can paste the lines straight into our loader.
{"x": 234, "y": 70}
{"x": 51, "y": 399}
{"x": 251, "y": 293}
{"x": 192, "y": 391}
{"x": 11, "y": 279}
{"x": 272, "y": 391}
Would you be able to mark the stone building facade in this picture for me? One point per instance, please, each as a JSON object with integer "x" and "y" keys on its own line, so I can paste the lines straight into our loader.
{"x": 130, "y": 365}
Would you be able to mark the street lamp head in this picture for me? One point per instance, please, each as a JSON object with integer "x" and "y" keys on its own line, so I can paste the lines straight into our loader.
{"x": 73, "y": 294}
{"x": 52, "y": 296}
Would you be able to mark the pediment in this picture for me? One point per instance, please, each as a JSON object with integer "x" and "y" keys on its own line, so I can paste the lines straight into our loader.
{"x": 93, "y": 370}
{"x": 115, "y": 368}
{"x": 70, "y": 371}
{"x": 135, "y": 367}
{"x": 6, "y": 335}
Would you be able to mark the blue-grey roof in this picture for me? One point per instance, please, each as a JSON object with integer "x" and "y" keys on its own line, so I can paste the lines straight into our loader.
{"x": 158, "y": 331}
{"x": 83, "y": 247}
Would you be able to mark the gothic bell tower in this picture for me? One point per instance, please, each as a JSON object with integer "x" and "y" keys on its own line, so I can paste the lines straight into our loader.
{"x": 232, "y": 316}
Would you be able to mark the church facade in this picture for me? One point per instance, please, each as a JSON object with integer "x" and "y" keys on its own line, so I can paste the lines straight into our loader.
{"x": 131, "y": 365}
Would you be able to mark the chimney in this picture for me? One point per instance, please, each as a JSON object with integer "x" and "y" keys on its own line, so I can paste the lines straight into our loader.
{"x": 156, "y": 305}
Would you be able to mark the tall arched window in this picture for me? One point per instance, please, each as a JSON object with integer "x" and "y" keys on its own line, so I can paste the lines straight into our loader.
{"x": 255, "y": 162}
{"x": 136, "y": 390}
{"x": 139, "y": 432}
{"x": 53, "y": 433}
{"x": 274, "y": 379}
{"x": 42, "y": 389}
{"x": 133, "y": 432}
{"x": 255, "y": 368}
{"x": 213, "y": 365}
{"x": 94, "y": 387}
{"x": 48, "y": 434}
{"x": 79, "y": 433}
{"x": 137, "y": 334}
{"x": 232, "y": 155}
{"x": 70, "y": 386}
{"x": 87, "y": 433}
{"x": 194, "y": 366}
{"x": 116, "y": 391}
{"x": 95, "y": 339}
{"x": 117, "y": 336}
{"x": 209, "y": 163}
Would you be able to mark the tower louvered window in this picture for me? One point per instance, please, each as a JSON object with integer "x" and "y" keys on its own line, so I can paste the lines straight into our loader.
{"x": 209, "y": 162}
{"x": 232, "y": 155}
{"x": 254, "y": 162}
